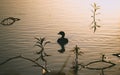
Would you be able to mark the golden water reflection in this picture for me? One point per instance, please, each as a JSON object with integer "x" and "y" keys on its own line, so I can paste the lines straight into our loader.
{"x": 45, "y": 19}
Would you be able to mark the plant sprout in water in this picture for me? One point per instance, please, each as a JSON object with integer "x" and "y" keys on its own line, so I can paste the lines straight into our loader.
{"x": 94, "y": 23}
{"x": 42, "y": 42}
{"x": 75, "y": 63}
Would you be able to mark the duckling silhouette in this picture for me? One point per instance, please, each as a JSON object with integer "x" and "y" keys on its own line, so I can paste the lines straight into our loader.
{"x": 62, "y": 41}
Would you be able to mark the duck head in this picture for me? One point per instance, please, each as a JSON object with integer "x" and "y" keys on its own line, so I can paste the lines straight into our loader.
{"x": 61, "y": 33}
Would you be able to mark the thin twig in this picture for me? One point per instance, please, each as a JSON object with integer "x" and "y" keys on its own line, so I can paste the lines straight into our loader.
{"x": 112, "y": 64}
{"x": 16, "y": 57}
{"x": 65, "y": 63}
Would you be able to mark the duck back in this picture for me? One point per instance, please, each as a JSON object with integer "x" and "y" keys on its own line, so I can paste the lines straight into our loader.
{"x": 62, "y": 41}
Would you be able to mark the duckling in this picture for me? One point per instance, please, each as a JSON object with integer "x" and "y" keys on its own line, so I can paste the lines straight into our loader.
{"x": 62, "y": 41}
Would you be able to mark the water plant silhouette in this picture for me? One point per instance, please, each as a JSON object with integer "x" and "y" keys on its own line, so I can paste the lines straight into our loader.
{"x": 75, "y": 63}
{"x": 9, "y": 21}
{"x": 41, "y": 43}
{"x": 111, "y": 64}
{"x": 62, "y": 41}
{"x": 95, "y": 13}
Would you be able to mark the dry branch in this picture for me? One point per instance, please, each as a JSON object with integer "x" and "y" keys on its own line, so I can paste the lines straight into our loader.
{"x": 16, "y": 57}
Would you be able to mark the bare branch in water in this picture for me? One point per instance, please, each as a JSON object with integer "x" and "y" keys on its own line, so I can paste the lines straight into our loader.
{"x": 65, "y": 63}
{"x": 16, "y": 57}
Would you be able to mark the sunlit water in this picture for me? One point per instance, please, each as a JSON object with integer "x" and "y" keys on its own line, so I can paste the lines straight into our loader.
{"x": 45, "y": 19}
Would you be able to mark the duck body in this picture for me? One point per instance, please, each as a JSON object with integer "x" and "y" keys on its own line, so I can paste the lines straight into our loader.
{"x": 62, "y": 41}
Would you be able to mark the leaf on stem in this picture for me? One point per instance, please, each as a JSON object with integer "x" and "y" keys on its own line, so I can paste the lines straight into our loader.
{"x": 42, "y": 40}
{"x": 46, "y": 42}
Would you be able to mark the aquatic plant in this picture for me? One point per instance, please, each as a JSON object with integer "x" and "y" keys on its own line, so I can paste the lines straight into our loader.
{"x": 41, "y": 43}
{"x": 94, "y": 23}
{"x": 77, "y": 53}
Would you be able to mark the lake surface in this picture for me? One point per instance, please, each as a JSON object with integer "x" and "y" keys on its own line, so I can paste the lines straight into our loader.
{"x": 45, "y": 19}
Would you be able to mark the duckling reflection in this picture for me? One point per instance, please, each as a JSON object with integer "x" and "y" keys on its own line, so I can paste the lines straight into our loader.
{"x": 62, "y": 41}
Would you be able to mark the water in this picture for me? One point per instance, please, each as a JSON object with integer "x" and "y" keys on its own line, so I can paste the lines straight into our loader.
{"x": 45, "y": 19}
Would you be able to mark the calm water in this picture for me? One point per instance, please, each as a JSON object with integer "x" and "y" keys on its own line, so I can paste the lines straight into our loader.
{"x": 45, "y": 19}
